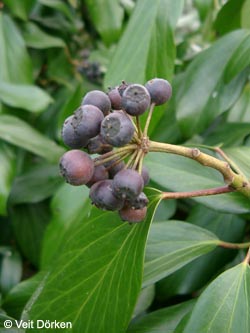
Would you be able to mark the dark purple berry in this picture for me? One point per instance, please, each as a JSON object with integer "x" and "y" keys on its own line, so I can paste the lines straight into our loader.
{"x": 87, "y": 121}
{"x": 135, "y": 99}
{"x": 98, "y": 145}
{"x": 70, "y": 135}
{"x": 145, "y": 175}
{"x": 133, "y": 215}
{"x": 83, "y": 125}
{"x": 102, "y": 196}
{"x": 160, "y": 90}
{"x": 115, "y": 98}
{"x": 100, "y": 173}
{"x": 114, "y": 167}
{"x": 117, "y": 129}
{"x": 99, "y": 99}
{"x": 128, "y": 184}
{"x": 139, "y": 202}
{"x": 76, "y": 167}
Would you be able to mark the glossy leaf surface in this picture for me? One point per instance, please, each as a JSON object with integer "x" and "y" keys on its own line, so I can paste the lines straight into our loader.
{"x": 38, "y": 39}
{"x": 101, "y": 256}
{"x": 173, "y": 244}
{"x": 27, "y": 97}
{"x": 15, "y": 63}
{"x": 29, "y": 222}
{"x": 36, "y": 185}
{"x": 107, "y": 18}
{"x": 163, "y": 320}
{"x": 21, "y": 134}
{"x": 198, "y": 98}
{"x": 153, "y": 19}
{"x": 225, "y": 302}
{"x": 70, "y": 206}
{"x": 7, "y": 172}
{"x": 196, "y": 274}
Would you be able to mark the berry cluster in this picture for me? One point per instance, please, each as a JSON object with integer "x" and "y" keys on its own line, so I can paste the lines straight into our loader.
{"x": 104, "y": 125}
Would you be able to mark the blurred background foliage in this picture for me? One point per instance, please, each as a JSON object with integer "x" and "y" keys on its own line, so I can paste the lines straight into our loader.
{"x": 51, "y": 53}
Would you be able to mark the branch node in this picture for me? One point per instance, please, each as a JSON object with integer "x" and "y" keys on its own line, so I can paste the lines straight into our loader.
{"x": 228, "y": 179}
{"x": 195, "y": 152}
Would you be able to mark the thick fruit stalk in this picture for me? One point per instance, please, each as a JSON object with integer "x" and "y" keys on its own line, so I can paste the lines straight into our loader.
{"x": 235, "y": 181}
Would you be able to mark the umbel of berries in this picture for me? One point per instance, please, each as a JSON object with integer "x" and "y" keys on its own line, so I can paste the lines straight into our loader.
{"x": 108, "y": 126}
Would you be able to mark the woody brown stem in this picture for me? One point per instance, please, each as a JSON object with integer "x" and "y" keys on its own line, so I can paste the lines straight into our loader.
{"x": 198, "y": 193}
{"x": 236, "y": 246}
{"x": 236, "y": 181}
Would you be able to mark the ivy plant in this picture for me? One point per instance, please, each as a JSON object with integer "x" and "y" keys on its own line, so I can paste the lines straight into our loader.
{"x": 185, "y": 267}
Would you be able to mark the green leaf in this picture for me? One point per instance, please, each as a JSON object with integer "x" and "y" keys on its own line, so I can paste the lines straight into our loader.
{"x": 225, "y": 303}
{"x": 57, "y": 21}
{"x": 202, "y": 95}
{"x": 241, "y": 156}
{"x": 156, "y": 57}
{"x": 239, "y": 60}
{"x": 182, "y": 324}
{"x": 47, "y": 121}
{"x": 38, "y": 39}
{"x": 29, "y": 223}
{"x": 14, "y": 329}
{"x": 163, "y": 320}
{"x": 15, "y": 63}
{"x": 60, "y": 69}
{"x": 165, "y": 210}
{"x": 173, "y": 244}
{"x": 245, "y": 15}
{"x": 71, "y": 104}
{"x": 144, "y": 300}
{"x": 203, "y": 7}
{"x": 196, "y": 274}
{"x": 24, "y": 96}
{"x": 99, "y": 271}
{"x": 240, "y": 112}
{"x": 19, "y": 133}
{"x": 107, "y": 17}
{"x": 10, "y": 268}
{"x": 229, "y": 92}
{"x": 229, "y": 17}
{"x": 36, "y": 185}
{"x": 220, "y": 135}
{"x": 177, "y": 173}
{"x": 19, "y": 295}
{"x": 20, "y": 9}
{"x": 69, "y": 206}
{"x": 59, "y": 6}
{"x": 7, "y": 173}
